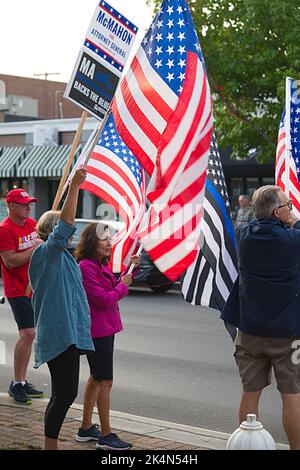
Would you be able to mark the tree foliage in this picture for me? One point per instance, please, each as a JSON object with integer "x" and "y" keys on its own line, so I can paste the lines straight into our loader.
{"x": 250, "y": 47}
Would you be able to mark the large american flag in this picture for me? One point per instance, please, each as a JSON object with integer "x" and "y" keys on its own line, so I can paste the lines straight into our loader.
{"x": 116, "y": 176}
{"x": 209, "y": 280}
{"x": 163, "y": 112}
{"x": 293, "y": 188}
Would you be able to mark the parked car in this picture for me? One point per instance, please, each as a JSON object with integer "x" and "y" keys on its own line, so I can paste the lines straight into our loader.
{"x": 148, "y": 275}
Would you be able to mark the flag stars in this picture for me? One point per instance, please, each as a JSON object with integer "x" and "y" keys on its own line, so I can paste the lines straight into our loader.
{"x": 181, "y": 63}
{"x": 179, "y": 9}
{"x": 158, "y": 50}
{"x": 180, "y": 23}
{"x": 170, "y": 10}
{"x": 170, "y": 63}
{"x": 181, "y": 76}
{"x": 170, "y": 77}
{"x": 181, "y": 50}
{"x": 181, "y": 36}
{"x": 159, "y": 37}
{"x": 170, "y": 23}
{"x": 170, "y": 36}
{"x": 170, "y": 50}
{"x": 158, "y": 64}
{"x": 159, "y": 24}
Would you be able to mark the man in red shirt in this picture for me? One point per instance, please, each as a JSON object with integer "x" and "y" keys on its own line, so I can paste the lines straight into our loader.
{"x": 18, "y": 240}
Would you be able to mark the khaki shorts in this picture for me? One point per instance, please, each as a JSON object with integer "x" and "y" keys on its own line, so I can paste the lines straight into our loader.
{"x": 256, "y": 355}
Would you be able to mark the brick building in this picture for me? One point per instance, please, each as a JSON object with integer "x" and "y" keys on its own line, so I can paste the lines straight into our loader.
{"x": 31, "y": 98}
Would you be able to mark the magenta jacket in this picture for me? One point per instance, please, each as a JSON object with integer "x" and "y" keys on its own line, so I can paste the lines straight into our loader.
{"x": 103, "y": 293}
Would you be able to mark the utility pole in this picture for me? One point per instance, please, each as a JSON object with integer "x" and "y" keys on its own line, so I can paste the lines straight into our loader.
{"x": 46, "y": 74}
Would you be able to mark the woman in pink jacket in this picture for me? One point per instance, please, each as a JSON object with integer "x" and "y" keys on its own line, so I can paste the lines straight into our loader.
{"x": 103, "y": 293}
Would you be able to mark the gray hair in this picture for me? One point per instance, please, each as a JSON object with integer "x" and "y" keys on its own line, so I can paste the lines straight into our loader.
{"x": 46, "y": 224}
{"x": 265, "y": 200}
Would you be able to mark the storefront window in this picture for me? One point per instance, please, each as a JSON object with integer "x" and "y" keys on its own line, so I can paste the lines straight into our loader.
{"x": 8, "y": 184}
{"x": 237, "y": 188}
{"x": 251, "y": 185}
{"x": 268, "y": 180}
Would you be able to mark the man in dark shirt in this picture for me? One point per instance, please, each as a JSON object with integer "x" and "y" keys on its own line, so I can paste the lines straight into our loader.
{"x": 265, "y": 306}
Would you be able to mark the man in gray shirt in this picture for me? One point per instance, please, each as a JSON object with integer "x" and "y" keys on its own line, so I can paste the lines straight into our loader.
{"x": 244, "y": 214}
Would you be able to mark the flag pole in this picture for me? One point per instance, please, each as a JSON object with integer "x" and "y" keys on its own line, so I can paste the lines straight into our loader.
{"x": 137, "y": 254}
{"x": 88, "y": 149}
{"x": 288, "y": 148}
{"x": 66, "y": 172}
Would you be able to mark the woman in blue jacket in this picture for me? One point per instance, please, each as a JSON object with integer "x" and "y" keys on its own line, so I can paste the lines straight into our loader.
{"x": 61, "y": 311}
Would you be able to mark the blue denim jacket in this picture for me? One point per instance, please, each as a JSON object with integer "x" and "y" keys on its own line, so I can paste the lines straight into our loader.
{"x": 61, "y": 310}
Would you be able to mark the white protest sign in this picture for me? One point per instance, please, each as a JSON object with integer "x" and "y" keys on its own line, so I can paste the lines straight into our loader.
{"x": 110, "y": 36}
{"x": 101, "y": 60}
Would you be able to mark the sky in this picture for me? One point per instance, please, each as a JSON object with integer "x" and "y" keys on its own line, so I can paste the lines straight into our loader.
{"x": 38, "y": 36}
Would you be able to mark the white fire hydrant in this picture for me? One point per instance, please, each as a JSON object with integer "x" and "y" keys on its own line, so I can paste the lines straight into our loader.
{"x": 251, "y": 435}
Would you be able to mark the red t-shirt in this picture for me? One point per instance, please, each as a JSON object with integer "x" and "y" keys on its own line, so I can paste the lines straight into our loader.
{"x": 16, "y": 238}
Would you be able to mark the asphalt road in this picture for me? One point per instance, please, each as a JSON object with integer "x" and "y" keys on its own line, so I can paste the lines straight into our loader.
{"x": 172, "y": 362}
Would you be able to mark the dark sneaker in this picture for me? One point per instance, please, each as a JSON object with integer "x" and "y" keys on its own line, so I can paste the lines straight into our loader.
{"x": 32, "y": 392}
{"x": 112, "y": 442}
{"x": 18, "y": 393}
{"x": 91, "y": 434}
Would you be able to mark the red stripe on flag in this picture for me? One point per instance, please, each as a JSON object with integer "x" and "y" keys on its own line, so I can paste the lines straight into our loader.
{"x": 130, "y": 141}
{"x": 119, "y": 189}
{"x": 175, "y": 121}
{"x": 87, "y": 185}
{"x": 176, "y": 237}
{"x": 149, "y": 92}
{"x": 107, "y": 161}
{"x": 175, "y": 271}
{"x": 144, "y": 123}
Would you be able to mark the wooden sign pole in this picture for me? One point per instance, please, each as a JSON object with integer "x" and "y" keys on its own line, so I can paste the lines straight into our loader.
{"x": 69, "y": 161}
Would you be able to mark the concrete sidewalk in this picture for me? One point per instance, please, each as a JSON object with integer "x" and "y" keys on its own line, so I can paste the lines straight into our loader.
{"x": 21, "y": 428}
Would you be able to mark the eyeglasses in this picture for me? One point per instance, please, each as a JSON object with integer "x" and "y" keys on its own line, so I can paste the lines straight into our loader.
{"x": 289, "y": 204}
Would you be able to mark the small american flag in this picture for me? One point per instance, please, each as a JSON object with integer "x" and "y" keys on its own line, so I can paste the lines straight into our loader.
{"x": 294, "y": 161}
{"x": 163, "y": 112}
{"x": 116, "y": 176}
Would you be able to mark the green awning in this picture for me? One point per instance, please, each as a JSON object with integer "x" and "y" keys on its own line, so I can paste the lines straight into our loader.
{"x": 10, "y": 159}
{"x": 46, "y": 161}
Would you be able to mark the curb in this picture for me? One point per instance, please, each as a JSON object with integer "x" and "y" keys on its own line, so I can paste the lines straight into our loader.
{"x": 147, "y": 427}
